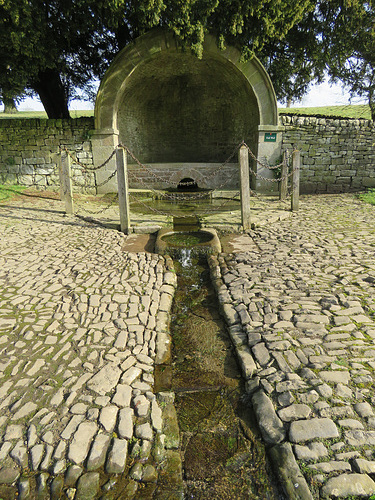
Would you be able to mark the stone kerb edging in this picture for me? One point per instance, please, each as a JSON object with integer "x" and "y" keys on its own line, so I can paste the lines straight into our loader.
{"x": 168, "y": 442}
{"x": 272, "y": 428}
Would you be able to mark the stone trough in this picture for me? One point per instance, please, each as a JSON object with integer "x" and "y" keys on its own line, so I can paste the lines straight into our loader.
{"x": 208, "y": 240}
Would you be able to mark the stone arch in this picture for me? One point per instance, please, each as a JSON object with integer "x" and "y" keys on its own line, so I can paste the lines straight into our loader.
{"x": 157, "y": 42}
{"x": 171, "y": 108}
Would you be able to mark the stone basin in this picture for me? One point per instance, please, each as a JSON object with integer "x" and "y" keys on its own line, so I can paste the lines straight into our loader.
{"x": 207, "y": 239}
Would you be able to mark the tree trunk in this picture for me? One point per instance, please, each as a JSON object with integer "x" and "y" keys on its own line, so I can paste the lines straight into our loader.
{"x": 371, "y": 102}
{"x": 9, "y": 105}
{"x": 52, "y": 94}
{"x": 289, "y": 102}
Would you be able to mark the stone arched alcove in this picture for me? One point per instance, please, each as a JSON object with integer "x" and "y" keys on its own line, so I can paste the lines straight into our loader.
{"x": 180, "y": 115}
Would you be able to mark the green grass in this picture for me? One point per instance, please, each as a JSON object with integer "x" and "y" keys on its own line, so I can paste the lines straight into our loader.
{"x": 42, "y": 114}
{"x": 342, "y": 111}
{"x": 9, "y": 191}
{"x": 368, "y": 197}
{"x": 345, "y": 111}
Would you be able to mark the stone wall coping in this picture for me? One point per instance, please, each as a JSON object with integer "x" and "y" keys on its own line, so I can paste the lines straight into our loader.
{"x": 45, "y": 122}
{"x": 292, "y": 119}
{"x": 271, "y": 128}
{"x": 105, "y": 132}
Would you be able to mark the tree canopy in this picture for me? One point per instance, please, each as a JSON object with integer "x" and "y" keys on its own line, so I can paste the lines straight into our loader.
{"x": 349, "y": 41}
{"x": 54, "y": 48}
{"x": 337, "y": 39}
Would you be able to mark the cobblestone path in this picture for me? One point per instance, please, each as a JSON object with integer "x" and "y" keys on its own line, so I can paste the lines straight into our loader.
{"x": 301, "y": 305}
{"x": 82, "y": 324}
{"x": 79, "y": 321}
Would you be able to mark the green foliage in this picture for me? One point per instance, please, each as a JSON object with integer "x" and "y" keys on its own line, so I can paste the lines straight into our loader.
{"x": 247, "y": 25}
{"x": 349, "y": 42}
{"x": 61, "y": 44}
{"x": 368, "y": 197}
{"x": 297, "y": 60}
{"x": 335, "y": 38}
{"x": 55, "y": 47}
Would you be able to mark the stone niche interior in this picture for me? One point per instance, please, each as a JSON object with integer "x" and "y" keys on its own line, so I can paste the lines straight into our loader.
{"x": 177, "y": 108}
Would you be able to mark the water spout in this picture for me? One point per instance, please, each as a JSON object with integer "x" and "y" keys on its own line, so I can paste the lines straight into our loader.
{"x": 185, "y": 257}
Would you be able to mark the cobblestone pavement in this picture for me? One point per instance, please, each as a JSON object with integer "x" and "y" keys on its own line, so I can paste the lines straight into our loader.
{"x": 300, "y": 302}
{"x": 82, "y": 324}
{"x": 79, "y": 325}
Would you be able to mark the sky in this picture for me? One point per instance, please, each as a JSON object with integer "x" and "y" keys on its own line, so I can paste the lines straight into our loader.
{"x": 324, "y": 94}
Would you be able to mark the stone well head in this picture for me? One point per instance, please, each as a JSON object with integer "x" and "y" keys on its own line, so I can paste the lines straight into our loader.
{"x": 180, "y": 115}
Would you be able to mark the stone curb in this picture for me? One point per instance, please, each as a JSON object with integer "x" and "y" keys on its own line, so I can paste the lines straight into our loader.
{"x": 271, "y": 427}
{"x": 288, "y": 472}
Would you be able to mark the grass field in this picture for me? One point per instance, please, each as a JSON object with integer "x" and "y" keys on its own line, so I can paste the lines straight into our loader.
{"x": 368, "y": 197}
{"x": 41, "y": 114}
{"x": 9, "y": 191}
{"x": 347, "y": 111}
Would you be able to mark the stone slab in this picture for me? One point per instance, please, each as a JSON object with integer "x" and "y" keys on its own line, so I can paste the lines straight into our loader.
{"x": 315, "y": 428}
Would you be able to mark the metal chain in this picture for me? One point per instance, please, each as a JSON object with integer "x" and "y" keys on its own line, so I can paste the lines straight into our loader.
{"x": 228, "y": 200}
{"x": 141, "y": 165}
{"x": 258, "y": 161}
{"x": 165, "y": 194}
{"x": 171, "y": 196}
{"x": 271, "y": 180}
{"x": 97, "y": 212}
{"x": 213, "y": 174}
{"x": 161, "y": 179}
{"x": 107, "y": 179}
{"x": 152, "y": 209}
{"x": 93, "y": 169}
{"x": 169, "y": 214}
{"x": 84, "y": 185}
{"x": 183, "y": 197}
{"x": 274, "y": 167}
{"x": 87, "y": 186}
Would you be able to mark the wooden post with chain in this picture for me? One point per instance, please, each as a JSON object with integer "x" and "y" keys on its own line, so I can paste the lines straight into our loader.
{"x": 65, "y": 174}
{"x": 284, "y": 178}
{"x": 243, "y": 160}
{"x": 295, "y": 180}
{"x": 123, "y": 190}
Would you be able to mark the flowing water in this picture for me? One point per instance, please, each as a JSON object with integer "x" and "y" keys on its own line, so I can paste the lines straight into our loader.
{"x": 223, "y": 457}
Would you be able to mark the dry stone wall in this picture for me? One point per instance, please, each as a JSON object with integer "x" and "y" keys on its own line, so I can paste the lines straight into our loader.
{"x": 30, "y": 149}
{"x": 336, "y": 155}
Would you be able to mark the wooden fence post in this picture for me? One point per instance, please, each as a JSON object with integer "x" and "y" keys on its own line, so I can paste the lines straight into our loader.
{"x": 295, "y": 179}
{"x": 123, "y": 192}
{"x": 284, "y": 177}
{"x": 243, "y": 160}
{"x": 66, "y": 192}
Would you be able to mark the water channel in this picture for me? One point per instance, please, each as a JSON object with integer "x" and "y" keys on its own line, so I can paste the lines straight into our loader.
{"x": 222, "y": 454}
